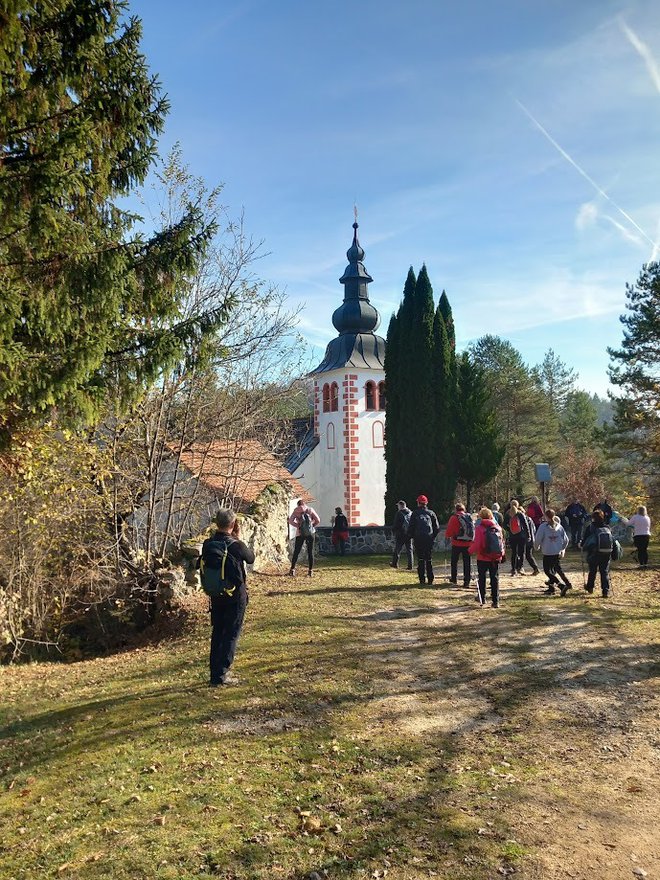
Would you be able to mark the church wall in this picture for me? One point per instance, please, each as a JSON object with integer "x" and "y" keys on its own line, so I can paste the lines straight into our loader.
{"x": 370, "y": 463}
{"x": 347, "y": 468}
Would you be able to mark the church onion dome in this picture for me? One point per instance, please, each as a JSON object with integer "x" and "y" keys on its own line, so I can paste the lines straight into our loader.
{"x": 355, "y": 320}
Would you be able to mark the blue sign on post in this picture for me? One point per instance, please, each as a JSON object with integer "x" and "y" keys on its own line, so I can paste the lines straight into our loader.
{"x": 543, "y": 474}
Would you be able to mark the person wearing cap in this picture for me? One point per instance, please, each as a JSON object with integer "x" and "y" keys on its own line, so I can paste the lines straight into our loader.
{"x": 423, "y": 529}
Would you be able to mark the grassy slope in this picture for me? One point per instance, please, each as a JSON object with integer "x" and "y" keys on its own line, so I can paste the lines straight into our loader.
{"x": 129, "y": 766}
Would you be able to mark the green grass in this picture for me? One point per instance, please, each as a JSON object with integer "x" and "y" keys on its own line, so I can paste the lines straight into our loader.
{"x": 130, "y": 767}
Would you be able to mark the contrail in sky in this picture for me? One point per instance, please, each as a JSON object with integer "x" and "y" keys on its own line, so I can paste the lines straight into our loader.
{"x": 582, "y": 172}
{"x": 644, "y": 52}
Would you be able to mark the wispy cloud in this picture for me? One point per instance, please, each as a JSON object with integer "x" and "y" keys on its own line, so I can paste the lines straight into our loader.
{"x": 644, "y": 52}
{"x": 601, "y": 192}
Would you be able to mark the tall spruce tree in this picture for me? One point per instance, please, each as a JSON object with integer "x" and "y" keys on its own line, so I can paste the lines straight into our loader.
{"x": 88, "y": 302}
{"x": 479, "y": 449}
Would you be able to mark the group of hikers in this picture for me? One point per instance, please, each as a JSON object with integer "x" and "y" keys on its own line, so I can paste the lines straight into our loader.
{"x": 522, "y": 530}
{"x": 486, "y": 536}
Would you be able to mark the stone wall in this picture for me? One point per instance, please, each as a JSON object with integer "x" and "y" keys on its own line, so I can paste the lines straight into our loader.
{"x": 364, "y": 540}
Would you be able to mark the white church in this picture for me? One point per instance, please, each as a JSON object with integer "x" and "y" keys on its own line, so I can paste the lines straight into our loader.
{"x": 341, "y": 463}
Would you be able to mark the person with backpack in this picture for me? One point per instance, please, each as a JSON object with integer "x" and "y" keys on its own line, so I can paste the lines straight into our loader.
{"x": 497, "y": 516}
{"x": 518, "y": 537}
{"x": 599, "y": 546}
{"x": 460, "y": 529}
{"x": 552, "y": 540}
{"x": 401, "y": 539}
{"x": 640, "y": 523}
{"x": 223, "y": 577}
{"x": 576, "y": 514}
{"x": 339, "y": 534}
{"x": 305, "y": 520}
{"x": 488, "y": 546}
{"x": 423, "y": 528}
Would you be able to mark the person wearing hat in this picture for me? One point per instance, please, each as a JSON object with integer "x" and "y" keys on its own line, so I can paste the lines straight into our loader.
{"x": 423, "y": 529}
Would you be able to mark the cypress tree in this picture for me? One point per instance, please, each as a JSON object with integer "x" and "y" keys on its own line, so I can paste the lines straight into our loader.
{"x": 444, "y": 382}
{"x": 399, "y": 412}
{"x": 420, "y": 391}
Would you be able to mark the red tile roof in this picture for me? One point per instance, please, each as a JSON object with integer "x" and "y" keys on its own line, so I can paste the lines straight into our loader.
{"x": 239, "y": 468}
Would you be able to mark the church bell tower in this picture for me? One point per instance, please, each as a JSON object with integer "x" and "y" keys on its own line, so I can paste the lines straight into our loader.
{"x": 349, "y": 405}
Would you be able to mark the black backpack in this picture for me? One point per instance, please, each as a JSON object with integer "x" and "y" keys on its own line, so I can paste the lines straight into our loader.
{"x": 220, "y": 571}
{"x": 467, "y": 527}
{"x": 424, "y": 524}
{"x": 306, "y": 525}
{"x": 604, "y": 541}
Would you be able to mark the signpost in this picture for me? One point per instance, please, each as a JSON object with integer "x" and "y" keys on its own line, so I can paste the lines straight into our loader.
{"x": 543, "y": 476}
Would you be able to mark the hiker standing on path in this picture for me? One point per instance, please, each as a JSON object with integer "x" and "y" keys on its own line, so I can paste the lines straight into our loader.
{"x": 225, "y": 553}
{"x": 598, "y": 544}
{"x": 401, "y": 539}
{"x": 460, "y": 529}
{"x": 518, "y": 537}
{"x": 305, "y": 520}
{"x": 529, "y": 545}
{"x": 497, "y": 516}
{"x": 423, "y": 529}
{"x": 552, "y": 540}
{"x": 488, "y": 545}
{"x": 641, "y": 525}
{"x": 339, "y": 533}
{"x": 576, "y": 514}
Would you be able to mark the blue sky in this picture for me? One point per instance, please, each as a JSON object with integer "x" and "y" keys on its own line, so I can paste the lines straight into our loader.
{"x": 513, "y": 147}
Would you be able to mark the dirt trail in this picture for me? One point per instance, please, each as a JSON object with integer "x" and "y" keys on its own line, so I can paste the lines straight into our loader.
{"x": 547, "y": 684}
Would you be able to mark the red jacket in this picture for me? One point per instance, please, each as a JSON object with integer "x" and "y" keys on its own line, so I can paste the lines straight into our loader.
{"x": 535, "y": 513}
{"x": 453, "y": 529}
{"x": 479, "y": 543}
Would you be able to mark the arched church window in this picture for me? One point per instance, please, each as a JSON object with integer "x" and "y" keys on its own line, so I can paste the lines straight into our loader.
{"x": 382, "y": 397}
{"x": 378, "y": 435}
{"x": 326, "y": 398}
{"x": 330, "y": 436}
{"x": 334, "y": 397}
{"x": 370, "y": 395}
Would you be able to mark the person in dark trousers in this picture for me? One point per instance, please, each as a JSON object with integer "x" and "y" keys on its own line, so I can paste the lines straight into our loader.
{"x": 607, "y": 511}
{"x": 518, "y": 529}
{"x": 461, "y": 533}
{"x": 576, "y": 514}
{"x": 401, "y": 539}
{"x": 640, "y": 523}
{"x": 552, "y": 540}
{"x": 488, "y": 545}
{"x": 423, "y": 529}
{"x": 228, "y": 611}
{"x": 305, "y": 520}
{"x": 339, "y": 533}
{"x": 529, "y": 545}
{"x": 596, "y": 560}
